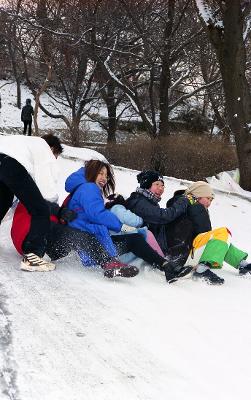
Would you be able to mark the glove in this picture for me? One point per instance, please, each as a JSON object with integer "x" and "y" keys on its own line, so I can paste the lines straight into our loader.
{"x": 65, "y": 215}
{"x": 181, "y": 203}
{"x": 192, "y": 199}
{"x": 127, "y": 228}
{"x": 53, "y": 207}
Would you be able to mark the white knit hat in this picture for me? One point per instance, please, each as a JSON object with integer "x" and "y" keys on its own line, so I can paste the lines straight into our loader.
{"x": 200, "y": 189}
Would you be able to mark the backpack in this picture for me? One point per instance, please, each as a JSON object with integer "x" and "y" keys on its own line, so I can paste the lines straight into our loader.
{"x": 64, "y": 214}
{"x": 180, "y": 232}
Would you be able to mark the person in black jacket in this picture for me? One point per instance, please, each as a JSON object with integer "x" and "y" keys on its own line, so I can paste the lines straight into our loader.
{"x": 26, "y": 116}
{"x": 145, "y": 203}
{"x": 209, "y": 247}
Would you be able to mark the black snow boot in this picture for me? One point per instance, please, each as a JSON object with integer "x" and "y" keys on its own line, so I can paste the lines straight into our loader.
{"x": 173, "y": 272}
{"x": 245, "y": 269}
{"x": 209, "y": 277}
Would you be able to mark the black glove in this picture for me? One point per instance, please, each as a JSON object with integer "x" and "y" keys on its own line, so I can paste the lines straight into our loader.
{"x": 182, "y": 203}
{"x": 53, "y": 207}
{"x": 65, "y": 215}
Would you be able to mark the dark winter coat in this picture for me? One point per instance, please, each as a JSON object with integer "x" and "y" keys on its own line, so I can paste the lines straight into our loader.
{"x": 27, "y": 112}
{"x": 154, "y": 217}
{"x": 184, "y": 229}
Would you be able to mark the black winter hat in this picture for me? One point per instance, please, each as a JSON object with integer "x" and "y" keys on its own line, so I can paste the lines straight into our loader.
{"x": 146, "y": 178}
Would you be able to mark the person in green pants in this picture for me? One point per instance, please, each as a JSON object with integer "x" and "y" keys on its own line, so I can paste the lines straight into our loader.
{"x": 210, "y": 248}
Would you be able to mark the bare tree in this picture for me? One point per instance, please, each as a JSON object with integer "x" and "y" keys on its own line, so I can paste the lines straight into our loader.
{"x": 150, "y": 59}
{"x": 11, "y": 31}
{"x": 54, "y": 39}
{"x": 224, "y": 22}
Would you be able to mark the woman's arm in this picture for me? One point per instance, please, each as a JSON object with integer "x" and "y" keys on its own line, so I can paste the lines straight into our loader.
{"x": 92, "y": 202}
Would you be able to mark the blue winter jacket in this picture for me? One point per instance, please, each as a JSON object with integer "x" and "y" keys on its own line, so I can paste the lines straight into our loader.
{"x": 92, "y": 217}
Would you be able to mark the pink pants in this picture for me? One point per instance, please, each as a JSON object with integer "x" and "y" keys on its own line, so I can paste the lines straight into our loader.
{"x": 150, "y": 238}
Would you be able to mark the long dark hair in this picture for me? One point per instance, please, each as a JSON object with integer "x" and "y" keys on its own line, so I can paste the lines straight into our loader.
{"x": 93, "y": 168}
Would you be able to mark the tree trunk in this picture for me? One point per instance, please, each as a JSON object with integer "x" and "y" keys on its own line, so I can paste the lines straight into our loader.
{"x": 232, "y": 58}
{"x": 231, "y": 55}
{"x": 112, "y": 112}
{"x": 165, "y": 77}
{"x": 74, "y": 131}
{"x": 158, "y": 160}
{"x": 19, "y": 99}
{"x": 45, "y": 38}
{"x": 164, "y": 100}
{"x": 37, "y": 98}
{"x": 12, "y": 54}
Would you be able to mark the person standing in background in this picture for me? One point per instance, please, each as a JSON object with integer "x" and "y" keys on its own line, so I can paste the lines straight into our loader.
{"x": 26, "y": 116}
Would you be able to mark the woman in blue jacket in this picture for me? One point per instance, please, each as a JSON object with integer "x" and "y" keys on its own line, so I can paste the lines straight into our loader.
{"x": 88, "y": 185}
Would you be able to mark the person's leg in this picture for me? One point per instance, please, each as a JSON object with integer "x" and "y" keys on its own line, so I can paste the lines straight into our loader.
{"x": 29, "y": 126}
{"x": 6, "y": 199}
{"x": 150, "y": 238}
{"x": 216, "y": 248}
{"x": 234, "y": 256}
{"x": 62, "y": 239}
{"x": 209, "y": 251}
{"x": 25, "y": 127}
{"x": 135, "y": 243}
{"x": 20, "y": 183}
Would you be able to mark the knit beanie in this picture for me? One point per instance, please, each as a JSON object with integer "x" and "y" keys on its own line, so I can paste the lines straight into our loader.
{"x": 200, "y": 189}
{"x": 146, "y": 178}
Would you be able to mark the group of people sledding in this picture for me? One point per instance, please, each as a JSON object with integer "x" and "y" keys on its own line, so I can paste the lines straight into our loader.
{"x": 104, "y": 228}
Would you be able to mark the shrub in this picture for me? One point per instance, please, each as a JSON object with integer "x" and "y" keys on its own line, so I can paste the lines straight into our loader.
{"x": 195, "y": 121}
{"x": 185, "y": 156}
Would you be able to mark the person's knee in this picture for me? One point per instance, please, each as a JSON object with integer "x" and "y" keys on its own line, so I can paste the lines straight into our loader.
{"x": 41, "y": 210}
{"x": 136, "y": 239}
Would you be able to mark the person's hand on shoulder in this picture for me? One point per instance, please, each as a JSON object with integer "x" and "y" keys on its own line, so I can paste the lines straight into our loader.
{"x": 192, "y": 199}
{"x": 181, "y": 204}
{"x": 182, "y": 200}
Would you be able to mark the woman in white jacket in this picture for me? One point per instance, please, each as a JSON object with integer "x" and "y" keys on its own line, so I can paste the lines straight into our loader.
{"x": 28, "y": 171}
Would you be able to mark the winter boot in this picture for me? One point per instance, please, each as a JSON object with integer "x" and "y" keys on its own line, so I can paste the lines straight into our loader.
{"x": 244, "y": 268}
{"x": 31, "y": 262}
{"x": 116, "y": 268}
{"x": 173, "y": 272}
{"x": 204, "y": 273}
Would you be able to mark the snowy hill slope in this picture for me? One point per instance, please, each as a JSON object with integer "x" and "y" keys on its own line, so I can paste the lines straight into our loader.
{"x": 72, "y": 335}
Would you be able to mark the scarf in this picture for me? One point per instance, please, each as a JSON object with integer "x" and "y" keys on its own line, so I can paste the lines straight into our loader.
{"x": 149, "y": 195}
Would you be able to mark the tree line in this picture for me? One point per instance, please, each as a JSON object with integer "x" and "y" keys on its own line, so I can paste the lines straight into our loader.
{"x": 156, "y": 58}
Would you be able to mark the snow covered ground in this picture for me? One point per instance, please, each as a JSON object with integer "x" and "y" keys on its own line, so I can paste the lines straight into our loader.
{"x": 10, "y": 115}
{"x": 72, "y": 335}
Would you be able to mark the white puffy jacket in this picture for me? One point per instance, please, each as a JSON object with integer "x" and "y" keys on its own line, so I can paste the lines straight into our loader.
{"x": 37, "y": 158}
